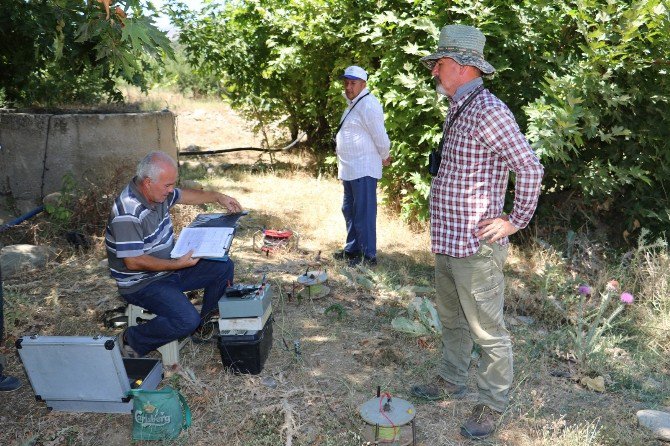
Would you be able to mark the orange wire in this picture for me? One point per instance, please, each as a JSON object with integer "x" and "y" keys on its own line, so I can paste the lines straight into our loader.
{"x": 381, "y": 410}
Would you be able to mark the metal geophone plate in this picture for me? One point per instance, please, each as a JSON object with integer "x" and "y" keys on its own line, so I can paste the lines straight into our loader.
{"x": 312, "y": 278}
{"x": 401, "y": 412}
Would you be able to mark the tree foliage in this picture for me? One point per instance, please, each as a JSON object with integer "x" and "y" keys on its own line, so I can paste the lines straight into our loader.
{"x": 55, "y": 52}
{"x": 586, "y": 79}
{"x": 602, "y": 121}
{"x": 276, "y": 59}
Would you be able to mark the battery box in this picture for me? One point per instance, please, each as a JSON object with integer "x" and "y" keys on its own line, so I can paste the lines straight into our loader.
{"x": 245, "y": 351}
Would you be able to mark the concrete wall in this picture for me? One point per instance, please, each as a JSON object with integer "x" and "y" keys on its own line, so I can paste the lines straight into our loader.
{"x": 37, "y": 150}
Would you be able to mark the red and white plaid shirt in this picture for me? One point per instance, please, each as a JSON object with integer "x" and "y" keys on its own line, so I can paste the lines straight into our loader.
{"x": 482, "y": 146}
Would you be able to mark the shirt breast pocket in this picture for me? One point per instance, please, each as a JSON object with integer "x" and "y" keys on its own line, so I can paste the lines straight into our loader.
{"x": 463, "y": 149}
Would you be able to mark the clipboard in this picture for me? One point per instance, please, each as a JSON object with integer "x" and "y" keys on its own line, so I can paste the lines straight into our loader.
{"x": 205, "y": 242}
{"x": 209, "y": 236}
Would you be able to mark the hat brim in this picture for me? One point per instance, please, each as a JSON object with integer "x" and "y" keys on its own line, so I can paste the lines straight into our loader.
{"x": 462, "y": 59}
{"x": 350, "y": 77}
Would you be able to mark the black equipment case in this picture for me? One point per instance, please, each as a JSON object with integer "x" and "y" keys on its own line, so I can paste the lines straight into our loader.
{"x": 246, "y": 351}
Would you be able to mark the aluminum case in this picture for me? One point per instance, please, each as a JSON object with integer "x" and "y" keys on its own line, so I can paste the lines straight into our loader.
{"x": 85, "y": 374}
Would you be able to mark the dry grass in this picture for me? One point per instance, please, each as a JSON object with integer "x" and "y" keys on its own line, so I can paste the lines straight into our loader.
{"x": 342, "y": 361}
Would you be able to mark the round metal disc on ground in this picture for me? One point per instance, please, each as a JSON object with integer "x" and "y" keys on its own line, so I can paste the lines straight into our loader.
{"x": 401, "y": 412}
{"x": 314, "y": 292}
{"x": 312, "y": 278}
{"x": 404, "y": 440}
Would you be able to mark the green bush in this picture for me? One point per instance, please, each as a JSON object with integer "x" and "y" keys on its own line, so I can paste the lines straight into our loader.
{"x": 586, "y": 80}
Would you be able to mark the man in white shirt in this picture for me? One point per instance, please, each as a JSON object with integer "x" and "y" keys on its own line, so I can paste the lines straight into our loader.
{"x": 362, "y": 149}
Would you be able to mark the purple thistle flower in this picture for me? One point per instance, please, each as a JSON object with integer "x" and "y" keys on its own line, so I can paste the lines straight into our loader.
{"x": 627, "y": 298}
{"x": 584, "y": 290}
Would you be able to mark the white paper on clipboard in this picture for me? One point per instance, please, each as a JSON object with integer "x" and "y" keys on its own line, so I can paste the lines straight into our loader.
{"x": 205, "y": 242}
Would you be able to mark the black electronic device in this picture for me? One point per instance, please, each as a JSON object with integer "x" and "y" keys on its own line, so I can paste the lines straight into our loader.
{"x": 241, "y": 291}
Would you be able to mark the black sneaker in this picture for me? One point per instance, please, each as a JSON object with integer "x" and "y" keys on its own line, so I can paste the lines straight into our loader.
{"x": 9, "y": 383}
{"x": 363, "y": 260}
{"x": 346, "y": 255}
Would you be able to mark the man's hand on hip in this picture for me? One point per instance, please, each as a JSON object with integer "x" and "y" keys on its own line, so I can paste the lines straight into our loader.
{"x": 387, "y": 161}
{"x": 493, "y": 229}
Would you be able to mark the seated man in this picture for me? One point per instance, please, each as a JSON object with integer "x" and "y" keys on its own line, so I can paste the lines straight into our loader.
{"x": 139, "y": 239}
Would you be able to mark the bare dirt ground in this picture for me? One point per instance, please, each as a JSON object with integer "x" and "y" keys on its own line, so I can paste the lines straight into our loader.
{"x": 307, "y": 395}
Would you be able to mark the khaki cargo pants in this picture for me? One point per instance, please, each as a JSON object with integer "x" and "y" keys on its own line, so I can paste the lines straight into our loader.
{"x": 470, "y": 297}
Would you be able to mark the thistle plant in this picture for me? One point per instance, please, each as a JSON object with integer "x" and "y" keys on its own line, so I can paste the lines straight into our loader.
{"x": 589, "y": 328}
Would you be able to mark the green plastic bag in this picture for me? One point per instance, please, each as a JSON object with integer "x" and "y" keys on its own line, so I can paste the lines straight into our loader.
{"x": 159, "y": 414}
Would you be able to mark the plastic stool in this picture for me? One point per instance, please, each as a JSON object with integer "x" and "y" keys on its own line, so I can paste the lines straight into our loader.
{"x": 170, "y": 351}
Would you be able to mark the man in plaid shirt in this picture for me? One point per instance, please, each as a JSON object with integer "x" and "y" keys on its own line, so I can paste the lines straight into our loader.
{"x": 482, "y": 143}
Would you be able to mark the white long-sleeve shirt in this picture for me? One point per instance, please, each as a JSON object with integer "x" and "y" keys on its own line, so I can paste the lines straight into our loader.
{"x": 362, "y": 142}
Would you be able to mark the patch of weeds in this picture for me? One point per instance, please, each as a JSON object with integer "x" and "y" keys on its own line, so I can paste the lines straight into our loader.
{"x": 636, "y": 375}
{"x": 18, "y": 309}
{"x": 174, "y": 381}
{"x": 530, "y": 346}
{"x": 195, "y": 171}
{"x": 259, "y": 168}
{"x": 623, "y": 433}
{"x": 424, "y": 366}
{"x": 264, "y": 430}
{"x": 559, "y": 433}
{"x": 390, "y": 311}
{"x": 60, "y": 211}
{"x": 150, "y": 104}
{"x": 81, "y": 211}
{"x": 331, "y": 430}
{"x": 66, "y": 436}
{"x": 341, "y": 439}
{"x": 423, "y": 274}
{"x": 336, "y": 310}
{"x": 422, "y": 319}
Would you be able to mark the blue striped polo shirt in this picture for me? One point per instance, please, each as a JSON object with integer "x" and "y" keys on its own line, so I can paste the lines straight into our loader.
{"x": 137, "y": 227}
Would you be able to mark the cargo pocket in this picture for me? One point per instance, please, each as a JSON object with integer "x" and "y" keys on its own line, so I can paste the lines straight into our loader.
{"x": 483, "y": 263}
{"x": 489, "y": 303}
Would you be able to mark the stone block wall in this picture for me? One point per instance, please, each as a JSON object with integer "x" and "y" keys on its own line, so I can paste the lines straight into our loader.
{"x": 38, "y": 150}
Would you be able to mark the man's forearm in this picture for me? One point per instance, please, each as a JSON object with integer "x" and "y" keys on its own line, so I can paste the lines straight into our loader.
{"x": 146, "y": 262}
{"x": 195, "y": 196}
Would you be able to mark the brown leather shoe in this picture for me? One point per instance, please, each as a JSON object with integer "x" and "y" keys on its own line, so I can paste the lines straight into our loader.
{"x": 438, "y": 389}
{"x": 482, "y": 422}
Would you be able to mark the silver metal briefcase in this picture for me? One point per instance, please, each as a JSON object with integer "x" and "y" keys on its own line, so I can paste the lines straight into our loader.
{"x": 85, "y": 374}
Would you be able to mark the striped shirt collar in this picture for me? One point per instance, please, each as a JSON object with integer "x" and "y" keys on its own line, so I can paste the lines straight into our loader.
{"x": 466, "y": 89}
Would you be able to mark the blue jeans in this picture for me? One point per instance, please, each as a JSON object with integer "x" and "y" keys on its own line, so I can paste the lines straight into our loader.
{"x": 176, "y": 317}
{"x": 360, "y": 215}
